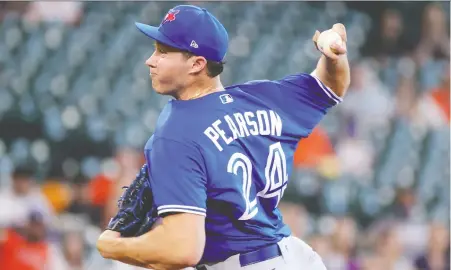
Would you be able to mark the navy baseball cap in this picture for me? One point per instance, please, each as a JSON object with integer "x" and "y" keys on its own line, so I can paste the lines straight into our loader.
{"x": 193, "y": 29}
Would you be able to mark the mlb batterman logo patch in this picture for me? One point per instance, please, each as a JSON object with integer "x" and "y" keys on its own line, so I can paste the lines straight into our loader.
{"x": 226, "y": 98}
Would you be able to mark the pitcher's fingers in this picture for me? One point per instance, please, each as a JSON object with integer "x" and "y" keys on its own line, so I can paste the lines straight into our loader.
{"x": 341, "y": 30}
{"x": 338, "y": 49}
{"x": 315, "y": 38}
{"x": 316, "y": 35}
{"x": 329, "y": 53}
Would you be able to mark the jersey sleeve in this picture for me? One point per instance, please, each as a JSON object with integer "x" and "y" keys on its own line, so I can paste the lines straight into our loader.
{"x": 178, "y": 178}
{"x": 305, "y": 100}
{"x": 307, "y": 88}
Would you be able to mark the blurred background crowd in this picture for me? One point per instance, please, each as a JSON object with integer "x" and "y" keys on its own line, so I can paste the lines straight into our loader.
{"x": 371, "y": 185}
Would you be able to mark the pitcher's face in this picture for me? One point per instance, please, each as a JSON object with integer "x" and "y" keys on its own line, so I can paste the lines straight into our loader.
{"x": 168, "y": 70}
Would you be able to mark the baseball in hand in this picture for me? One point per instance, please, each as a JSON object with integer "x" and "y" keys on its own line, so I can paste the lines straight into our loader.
{"x": 327, "y": 38}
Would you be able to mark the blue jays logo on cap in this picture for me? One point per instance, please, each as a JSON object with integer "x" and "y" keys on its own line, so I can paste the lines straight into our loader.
{"x": 193, "y": 29}
{"x": 170, "y": 16}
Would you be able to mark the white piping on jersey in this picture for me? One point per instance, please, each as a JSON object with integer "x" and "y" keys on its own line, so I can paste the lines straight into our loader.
{"x": 181, "y": 208}
{"x": 181, "y": 211}
{"x": 164, "y": 207}
{"x": 331, "y": 94}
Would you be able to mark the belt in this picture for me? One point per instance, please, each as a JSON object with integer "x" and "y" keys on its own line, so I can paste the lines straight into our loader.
{"x": 260, "y": 255}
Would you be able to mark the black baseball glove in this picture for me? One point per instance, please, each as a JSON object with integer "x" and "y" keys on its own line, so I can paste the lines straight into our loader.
{"x": 137, "y": 212}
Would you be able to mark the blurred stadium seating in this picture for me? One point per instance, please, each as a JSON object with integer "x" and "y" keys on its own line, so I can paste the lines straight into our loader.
{"x": 74, "y": 94}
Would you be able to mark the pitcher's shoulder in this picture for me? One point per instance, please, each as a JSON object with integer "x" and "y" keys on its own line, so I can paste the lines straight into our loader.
{"x": 249, "y": 85}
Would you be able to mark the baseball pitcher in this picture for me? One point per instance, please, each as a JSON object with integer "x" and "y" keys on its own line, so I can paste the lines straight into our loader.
{"x": 220, "y": 158}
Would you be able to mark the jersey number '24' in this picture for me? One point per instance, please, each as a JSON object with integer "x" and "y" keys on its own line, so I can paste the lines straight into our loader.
{"x": 276, "y": 178}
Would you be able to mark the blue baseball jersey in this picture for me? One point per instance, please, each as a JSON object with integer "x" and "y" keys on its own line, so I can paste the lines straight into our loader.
{"x": 228, "y": 156}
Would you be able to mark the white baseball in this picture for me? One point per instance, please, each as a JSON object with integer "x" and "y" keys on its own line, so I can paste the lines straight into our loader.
{"x": 327, "y": 38}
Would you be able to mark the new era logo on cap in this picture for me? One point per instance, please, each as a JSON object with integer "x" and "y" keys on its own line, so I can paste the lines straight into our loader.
{"x": 226, "y": 98}
{"x": 194, "y": 44}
